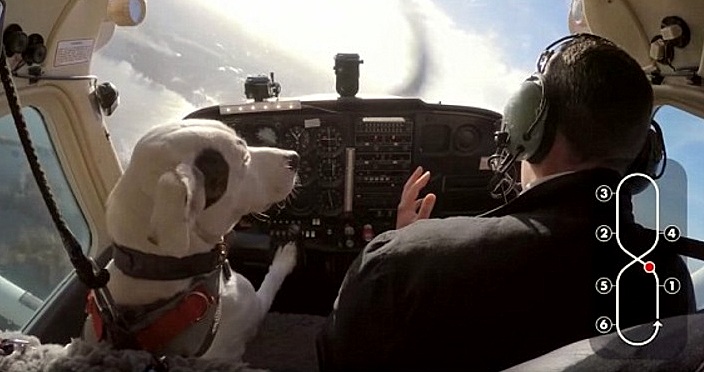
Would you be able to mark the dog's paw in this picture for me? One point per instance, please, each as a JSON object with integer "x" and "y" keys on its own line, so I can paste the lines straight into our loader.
{"x": 285, "y": 258}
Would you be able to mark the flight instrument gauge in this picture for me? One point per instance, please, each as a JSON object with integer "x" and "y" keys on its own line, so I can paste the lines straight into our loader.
{"x": 302, "y": 203}
{"x": 306, "y": 172}
{"x": 330, "y": 170}
{"x": 329, "y": 140}
{"x": 330, "y": 202}
{"x": 297, "y": 139}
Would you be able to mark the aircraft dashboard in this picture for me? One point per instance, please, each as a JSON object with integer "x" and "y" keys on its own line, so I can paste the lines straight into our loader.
{"x": 356, "y": 155}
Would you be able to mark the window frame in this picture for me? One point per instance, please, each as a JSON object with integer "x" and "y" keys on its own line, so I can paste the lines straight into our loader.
{"x": 692, "y": 263}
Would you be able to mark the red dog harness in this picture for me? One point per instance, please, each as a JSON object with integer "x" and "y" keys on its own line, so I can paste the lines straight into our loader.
{"x": 191, "y": 309}
{"x": 189, "y": 316}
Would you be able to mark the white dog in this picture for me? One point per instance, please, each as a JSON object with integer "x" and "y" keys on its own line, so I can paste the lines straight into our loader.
{"x": 186, "y": 186}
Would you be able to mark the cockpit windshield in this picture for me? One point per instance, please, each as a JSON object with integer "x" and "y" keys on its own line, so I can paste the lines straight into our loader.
{"x": 191, "y": 54}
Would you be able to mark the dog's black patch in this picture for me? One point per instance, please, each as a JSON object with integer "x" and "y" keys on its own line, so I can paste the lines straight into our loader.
{"x": 215, "y": 173}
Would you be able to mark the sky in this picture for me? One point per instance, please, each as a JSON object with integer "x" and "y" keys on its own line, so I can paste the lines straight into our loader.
{"x": 521, "y": 28}
{"x": 478, "y": 52}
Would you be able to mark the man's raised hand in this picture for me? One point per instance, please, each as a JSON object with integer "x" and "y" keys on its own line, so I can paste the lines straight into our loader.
{"x": 411, "y": 208}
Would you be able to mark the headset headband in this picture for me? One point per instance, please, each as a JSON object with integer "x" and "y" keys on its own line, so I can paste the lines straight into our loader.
{"x": 550, "y": 50}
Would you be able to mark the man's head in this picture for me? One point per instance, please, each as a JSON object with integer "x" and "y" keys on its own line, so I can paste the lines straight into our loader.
{"x": 599, "y": 104}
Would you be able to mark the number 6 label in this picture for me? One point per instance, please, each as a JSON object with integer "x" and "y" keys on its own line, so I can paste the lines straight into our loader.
{"x": 604, "y": 324}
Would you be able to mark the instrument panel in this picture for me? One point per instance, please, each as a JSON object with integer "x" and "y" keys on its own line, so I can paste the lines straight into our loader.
{"x": 356, "y": 155}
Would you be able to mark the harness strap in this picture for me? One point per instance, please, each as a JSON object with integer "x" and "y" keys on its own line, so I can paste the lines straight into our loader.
{"x": 95, "y": 318}
{"x": 190, "y": 310}
{"x": 154, "y": 267}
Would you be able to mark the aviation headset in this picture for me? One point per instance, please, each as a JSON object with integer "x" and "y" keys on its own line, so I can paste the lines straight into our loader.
{"x": 525, "y": 134}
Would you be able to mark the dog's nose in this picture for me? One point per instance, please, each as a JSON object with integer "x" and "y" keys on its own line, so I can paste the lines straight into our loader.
{"x": 293, "y": 161}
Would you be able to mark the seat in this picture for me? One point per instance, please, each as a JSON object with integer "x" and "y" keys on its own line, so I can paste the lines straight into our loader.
{"x": 678, "y": 347}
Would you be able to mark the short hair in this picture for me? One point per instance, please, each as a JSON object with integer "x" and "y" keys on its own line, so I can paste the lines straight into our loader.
{"x": 600, "y": 100}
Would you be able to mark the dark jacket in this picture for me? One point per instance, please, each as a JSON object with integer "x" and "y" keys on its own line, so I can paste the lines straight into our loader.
{"x": 486, "y": 293}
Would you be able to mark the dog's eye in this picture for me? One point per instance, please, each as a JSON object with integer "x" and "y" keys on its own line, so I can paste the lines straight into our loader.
{"x": 246, "y": 158}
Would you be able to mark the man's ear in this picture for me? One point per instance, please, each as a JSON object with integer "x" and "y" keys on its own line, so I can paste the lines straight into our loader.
{"x": 179, "y": 197}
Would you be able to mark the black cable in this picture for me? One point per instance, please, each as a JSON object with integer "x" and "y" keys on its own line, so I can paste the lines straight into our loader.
{"x": 83, "y": 265}
{"x": 19, "y": 65}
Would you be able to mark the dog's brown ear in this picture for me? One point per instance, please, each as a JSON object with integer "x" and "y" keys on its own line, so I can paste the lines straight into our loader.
{"x": 178, "y": 198}
{"x": 215, "y": 172}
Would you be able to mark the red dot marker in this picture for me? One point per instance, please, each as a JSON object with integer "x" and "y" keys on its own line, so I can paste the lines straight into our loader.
{"x": 649, "y": 267}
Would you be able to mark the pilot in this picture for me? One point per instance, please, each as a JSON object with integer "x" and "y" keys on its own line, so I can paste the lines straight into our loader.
{"x": 489, "y": 292}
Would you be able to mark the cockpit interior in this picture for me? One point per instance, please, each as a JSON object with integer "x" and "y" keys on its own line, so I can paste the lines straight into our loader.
{"x": 362, "y": 106}
{"x": 356, "y": 155}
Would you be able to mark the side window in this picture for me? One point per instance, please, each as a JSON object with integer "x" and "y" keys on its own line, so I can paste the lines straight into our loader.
{"x": 32, "y": 258}
{"x": 684, "y": 140}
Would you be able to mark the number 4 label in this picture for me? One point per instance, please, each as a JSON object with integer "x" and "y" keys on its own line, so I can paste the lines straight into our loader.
{"x": 672, "y": 233}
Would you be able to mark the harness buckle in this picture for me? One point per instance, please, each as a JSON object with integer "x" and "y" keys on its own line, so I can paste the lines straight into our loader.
{"x": 221, "y": 248}
{"x": 200, "y": 303}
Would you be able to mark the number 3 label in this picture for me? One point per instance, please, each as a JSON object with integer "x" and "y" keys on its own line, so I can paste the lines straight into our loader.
{"x": 603, "y": 193}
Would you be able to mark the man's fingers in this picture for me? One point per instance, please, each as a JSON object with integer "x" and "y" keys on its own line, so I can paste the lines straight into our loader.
{"x": 417, "y": 204}
{"x": 412, "y": 192}
{"x": 421, "y": 210}
{"x": 422, "y": 181}
{"x": 414, "y": 189}
{"x": 410, "y": 208}
{"x": 426, "y": 206}
{"x": 412, "y": 179}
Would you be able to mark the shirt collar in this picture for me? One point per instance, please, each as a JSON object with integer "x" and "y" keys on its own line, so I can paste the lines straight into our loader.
{"x": 544, "y": 179}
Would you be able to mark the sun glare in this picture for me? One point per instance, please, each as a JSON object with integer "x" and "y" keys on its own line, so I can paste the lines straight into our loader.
{"x": 464, "y": 67}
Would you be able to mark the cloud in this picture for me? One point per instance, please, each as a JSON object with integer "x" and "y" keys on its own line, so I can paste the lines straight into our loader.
{"x": 468, "y": 67}
{"x": 143, "y": 104}
{"x": 465, "y": 66}
{"x": 136, "y": 37}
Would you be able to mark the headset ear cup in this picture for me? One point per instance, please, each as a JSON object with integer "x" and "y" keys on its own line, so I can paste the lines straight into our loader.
{"x": 35, "y": 53}
{"x": 524, "y": 118}
{"x": 14, "y": 40}
{"x": 649, "y": 159}
{"x": 546, "y": 141}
